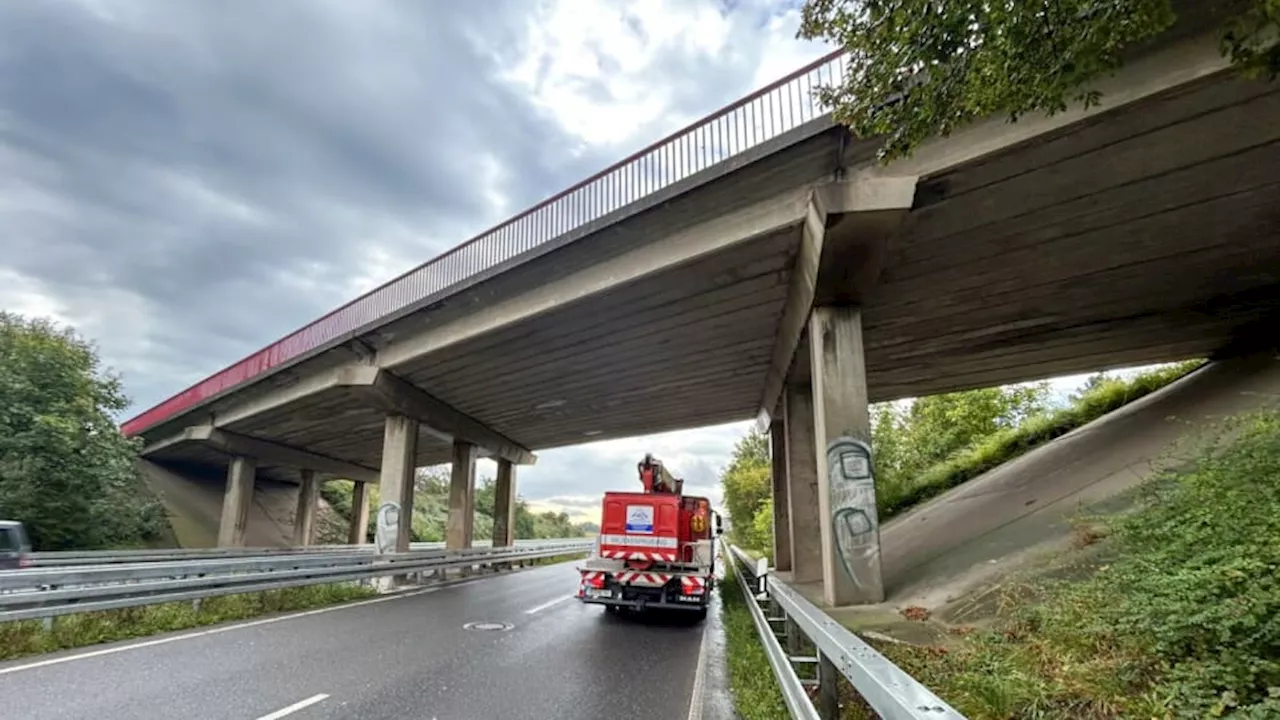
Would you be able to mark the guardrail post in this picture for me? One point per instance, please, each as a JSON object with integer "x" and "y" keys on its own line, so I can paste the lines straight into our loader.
{"x": 828, "y": 689}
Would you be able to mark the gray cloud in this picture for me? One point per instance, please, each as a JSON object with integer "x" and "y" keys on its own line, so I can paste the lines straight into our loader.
{"x": 189, "y": 181}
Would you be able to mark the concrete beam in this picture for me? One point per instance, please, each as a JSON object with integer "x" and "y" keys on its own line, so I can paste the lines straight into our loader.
{"x": 875, "y": 209}
{"x": 385, "y": 391}
{"x": 395, "y": 395}
{"x": 274, "y": 453}
{"x": 343, "y": 376}
{"x": 660, "y": 255}
{"x": 304, "y": 518}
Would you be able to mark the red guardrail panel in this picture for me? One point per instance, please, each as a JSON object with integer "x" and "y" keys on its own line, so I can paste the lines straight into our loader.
{"x": 761, "y": 116}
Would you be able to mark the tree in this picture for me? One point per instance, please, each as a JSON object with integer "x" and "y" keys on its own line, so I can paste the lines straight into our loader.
{"x": 65, "y": 470}
{"x": 747, "y": 485}
{"x": 923, "y": 68}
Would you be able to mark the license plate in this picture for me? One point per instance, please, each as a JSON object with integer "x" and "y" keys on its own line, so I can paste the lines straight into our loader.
{"x": 596, "y": 593}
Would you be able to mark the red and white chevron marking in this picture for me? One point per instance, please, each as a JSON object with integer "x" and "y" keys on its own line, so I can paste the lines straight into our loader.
{"x": 693, "y": 585}
{"x": 639, "y": 578}
{"x": 638, "y": 555}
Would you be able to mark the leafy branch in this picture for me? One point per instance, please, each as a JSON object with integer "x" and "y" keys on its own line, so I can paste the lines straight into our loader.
{"x": 924, "y": 68}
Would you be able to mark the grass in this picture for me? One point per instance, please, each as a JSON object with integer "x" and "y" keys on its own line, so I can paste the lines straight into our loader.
{"x": 1001, "y": 447}
{"x": 29, "y": 637}
{"x": 1184, "y": 622}
{"x": 1181, "y": 621}
{"x": 755, "y": 691}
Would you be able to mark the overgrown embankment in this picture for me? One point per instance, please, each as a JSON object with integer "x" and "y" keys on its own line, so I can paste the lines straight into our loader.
{"x": 1183, "y": 621}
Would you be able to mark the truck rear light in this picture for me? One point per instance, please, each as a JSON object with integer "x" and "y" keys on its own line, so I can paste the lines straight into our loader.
{"x": 596, "y": 582}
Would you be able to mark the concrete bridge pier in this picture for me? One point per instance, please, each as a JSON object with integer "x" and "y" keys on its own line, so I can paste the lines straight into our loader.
{"x": 459, "y": 529}
{"x": 241, "y": 474}
{"x": 850, "y": 527}
{"x": 504, "y": 505}
{"x": 305, "y": 517}
{"x": 358, "y": 534}
{"x": 395, "y": 508}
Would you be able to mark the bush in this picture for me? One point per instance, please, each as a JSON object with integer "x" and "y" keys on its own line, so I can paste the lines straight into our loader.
{"x": 1184, "y": 623}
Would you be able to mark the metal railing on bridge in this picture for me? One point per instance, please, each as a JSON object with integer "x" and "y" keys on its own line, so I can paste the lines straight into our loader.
{"x": 765, "y": 115}
{"x": 836, "y": 653}
{"x": 47, "y": 592}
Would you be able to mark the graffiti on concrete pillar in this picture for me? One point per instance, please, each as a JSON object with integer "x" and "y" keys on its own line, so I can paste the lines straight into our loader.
{"x": 387, "y": 527}
{"x": 854, "y": 523}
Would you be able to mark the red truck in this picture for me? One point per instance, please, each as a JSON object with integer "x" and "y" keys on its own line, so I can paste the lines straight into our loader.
{"x": 656, "y": 547}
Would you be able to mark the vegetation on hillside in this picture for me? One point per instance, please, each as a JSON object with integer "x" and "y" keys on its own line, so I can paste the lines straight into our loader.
{"x": 431, "y": 511}
{"x": 1184, "y": 621}
{"x": 924, "y": 68}
{"x": 65, "y": 470}
{"x": 926, "y": 446}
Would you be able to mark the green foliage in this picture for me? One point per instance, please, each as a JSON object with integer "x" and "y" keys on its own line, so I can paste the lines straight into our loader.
{"x": 65, "y": 470}
{"x": 924, "y": 68}
{"x": 72, "y": 631}
{"x": 1184, "y": 623}
{"x": 746, "y": 484}
{"x": 903, "y": 486}
{"x": 910, "y": 439}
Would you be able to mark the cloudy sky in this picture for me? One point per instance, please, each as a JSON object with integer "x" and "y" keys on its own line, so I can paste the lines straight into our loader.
{"x": 185, "y": 182}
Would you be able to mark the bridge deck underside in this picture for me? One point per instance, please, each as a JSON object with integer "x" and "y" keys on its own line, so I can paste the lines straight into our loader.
{"x": 1146, "y": 234}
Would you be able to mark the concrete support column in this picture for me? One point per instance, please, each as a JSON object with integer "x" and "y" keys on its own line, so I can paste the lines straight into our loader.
{"x": 846, "y": 486}
{"x": 462, "y": 490}
{"x": 781, "y": 509}
{"x": 359, "y": 532}
{"x": 395, "y": 484}
{"x": 235, "y": 503}
{"x": 802, "y": 486}
{"x": 504, "y": 505}
{"x": 304, "y": 519}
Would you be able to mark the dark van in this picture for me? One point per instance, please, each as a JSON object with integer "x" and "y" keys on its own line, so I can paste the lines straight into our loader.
{"x": 14, "y": 547}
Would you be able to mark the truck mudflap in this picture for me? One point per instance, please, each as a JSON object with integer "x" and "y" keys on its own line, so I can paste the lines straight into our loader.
{"x": 639, "y": 590}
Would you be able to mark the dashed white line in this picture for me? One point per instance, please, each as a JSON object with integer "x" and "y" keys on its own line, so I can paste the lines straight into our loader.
{"x": 294, "y": 707}
{"x": 546, "y": 605}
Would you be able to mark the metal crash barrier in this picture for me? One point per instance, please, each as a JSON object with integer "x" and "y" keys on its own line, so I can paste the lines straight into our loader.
{"x": 782, "y": 615}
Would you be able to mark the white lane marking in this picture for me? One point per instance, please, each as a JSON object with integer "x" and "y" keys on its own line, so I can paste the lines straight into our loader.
{"x": 546, "y": 605}
{"x": 294, "y": 707}
{"x": 211, "y": 631}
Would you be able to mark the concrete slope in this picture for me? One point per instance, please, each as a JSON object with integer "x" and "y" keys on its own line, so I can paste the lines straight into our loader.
{"x": 964, "y": 539}
{"x": 194, "y": 504}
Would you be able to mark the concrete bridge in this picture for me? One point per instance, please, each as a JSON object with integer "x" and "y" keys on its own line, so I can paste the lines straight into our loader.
{"x": 762, "y": 263}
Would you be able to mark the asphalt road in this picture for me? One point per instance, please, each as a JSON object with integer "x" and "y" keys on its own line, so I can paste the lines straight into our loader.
{"x": 402, "y": 657}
